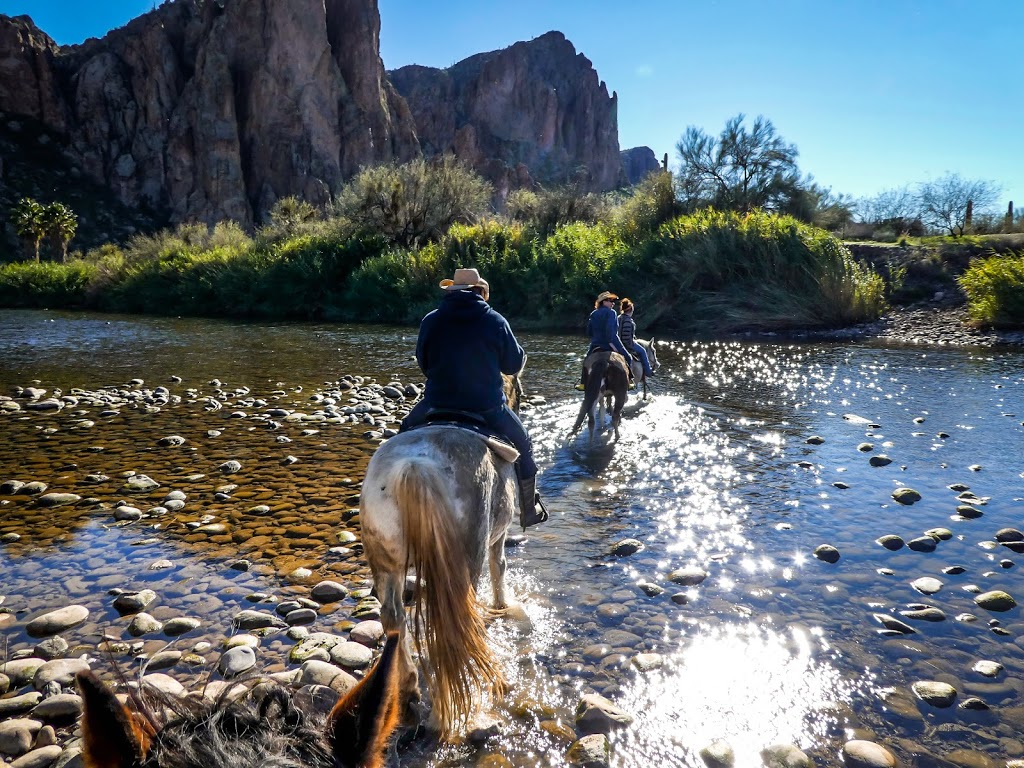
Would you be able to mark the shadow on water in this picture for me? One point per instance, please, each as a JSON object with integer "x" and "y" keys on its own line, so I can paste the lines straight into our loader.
{"x": 720, "y": 624}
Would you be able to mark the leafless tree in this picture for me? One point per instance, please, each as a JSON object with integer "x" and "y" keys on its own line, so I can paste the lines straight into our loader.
{"x": 944, "y": 202}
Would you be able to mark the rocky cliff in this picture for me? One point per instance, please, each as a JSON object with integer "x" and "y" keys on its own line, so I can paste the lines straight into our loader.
{"x": 213, "y": 109}
{"x": 533, "y": 112}
{"x": 637, "y": 162}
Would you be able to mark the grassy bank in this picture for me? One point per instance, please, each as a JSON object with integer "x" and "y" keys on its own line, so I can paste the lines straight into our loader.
{"x": 706, "y": 272}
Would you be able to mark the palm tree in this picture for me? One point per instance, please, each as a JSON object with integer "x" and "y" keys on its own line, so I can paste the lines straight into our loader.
{"x": 61, "y": 223}
{"x": 29, "y": 218}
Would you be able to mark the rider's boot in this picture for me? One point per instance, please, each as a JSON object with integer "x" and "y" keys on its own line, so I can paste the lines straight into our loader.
{"x": 531, "y": 509}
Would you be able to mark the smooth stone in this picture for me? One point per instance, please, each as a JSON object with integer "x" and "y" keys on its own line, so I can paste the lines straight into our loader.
{"x": 180, "y": 625}
{"x": 925, "y": 614}
{"x": 328, "y": 592}
{"x": 236, "y": 641}
{"x": 894, "y": 624}
{"x": 1009, "y": 534}
{"x": 249, "y": 619}
{"x": 17, "y": 704}
{"x": 300, "y": 616}
{"x": 785, "y": 756}
{"x": 351, "y": 655}
{"x": 688, "y": 575}
{"x": 596, "y": 714}
{"x": 38, "y": 758}
{"x": 51, "y": 648}
{"x": 140, "y": 484}
{"x": 647, "y": 662}
{"x": 593, "y": 751}
{"x": 21, "y": 671}
{"x": 57, "y": 621}
{"x": 940, "y": 695}
{"x": 969, "y": 512}
{"x": 59, "y": 707}
{"x": 368, "y": 633}
{"x": 988, "y": 668}
{"x": 906, "y": 496}
{"x": 230, "y": 467}
{"x": 127, "y": 514}
{"x": 133, "y": 602}
{"x": 974, "y": 703}
{"x": 163, "y": 660}
{"x": 718, "y": 754}
{"x": 60, "y": 671}
{"x": 143, "y": 624}
{"x": 171, "y": 441}
{"x": 32, "y": 488}
{"x": 827, "y": 552}
{"x": 627, "y": 547}
{"x": 859, "y": 753}
{"x": 161, "y": 565}
{"x": 237, "y": 660}
{"x": 927, "y": 585}
{"x": 922, "y": 544}
{"x": 50, "y": 500}
{"x": 881, "y": 460}
{"x": 315, "y": 672}
{"x": 16, "y": 736}
{"x": 11, "y": 487}
{"x": 815, "y": 440}
{"x": 891, "y": 542}
{"x": 996, "y": 600}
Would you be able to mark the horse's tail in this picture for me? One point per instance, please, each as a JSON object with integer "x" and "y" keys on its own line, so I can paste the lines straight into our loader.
{"x": 449, "y": 623}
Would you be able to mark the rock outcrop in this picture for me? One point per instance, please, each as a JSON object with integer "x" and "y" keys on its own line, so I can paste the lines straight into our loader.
{"x": 637, "y": 162}
{"x": 533, "y": 112}
{"x": 215, "y": 110}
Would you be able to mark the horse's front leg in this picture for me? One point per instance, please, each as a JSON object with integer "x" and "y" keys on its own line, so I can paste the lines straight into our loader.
{"x": 498, "y": 565}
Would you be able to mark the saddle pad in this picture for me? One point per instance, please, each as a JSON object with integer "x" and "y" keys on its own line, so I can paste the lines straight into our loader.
{"x": 503, "y": 450}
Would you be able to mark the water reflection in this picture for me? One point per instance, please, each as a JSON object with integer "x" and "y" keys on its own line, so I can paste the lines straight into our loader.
{"x": 717, "y": 473}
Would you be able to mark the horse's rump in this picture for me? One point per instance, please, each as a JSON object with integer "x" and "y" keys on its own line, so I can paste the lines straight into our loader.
{"x": 434, "y": 499}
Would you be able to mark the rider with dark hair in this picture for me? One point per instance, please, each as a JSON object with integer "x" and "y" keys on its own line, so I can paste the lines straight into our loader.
{"x": 627, "y": 333}
{"x": 464, "y": 347}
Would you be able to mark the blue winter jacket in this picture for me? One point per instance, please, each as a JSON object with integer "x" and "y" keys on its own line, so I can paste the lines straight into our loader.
{"x": 603, "y": 329}
{"x": 464, "y": 346}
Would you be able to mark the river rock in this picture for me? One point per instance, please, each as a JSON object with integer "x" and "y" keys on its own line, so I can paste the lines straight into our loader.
{"x": 57, "y": 621}
{"x": 16, "y": 736}
{"x": 127, "y": 513}
{"x": 143, "y": 624}
{"x": 891, "y": 542}
{"x": 11, "y": 487}
{"x": 596, "y": 714}
{"x": 859, "y": 753}
{"x": 988, "y": 668}
{"x": 321, "y": 673}
{"x": 51, "y": 648}
{"x": 927, "y": 585}
{"x": 718, "y": 754}
{"x": 881, "y": 460}
{"x": 894, "y": 624}
{"x": 922, "y": 544}
{"x": 351, "y": 655}
{"x": 171, "y": 441}
{"x": 996, "y": 600}
{"x": 18, "y": 704}
{"x": 33, "y": 488}
{"x": 164, "y": 685}
{"x": 133, "y": 602}
{"x": 180, "y": 625}
{"x": 1009, "y": 534}
{"x": 785, "y": 756}
{"x": 593, "y": 751}
{"x": 627, "y": 547}
{"x": 50, "y": 500}
{"x": 689, "y": 575}
{"x": 140, "y": 484}
{"x": 249, "y": 619}
{"x": 230, "y": 467}
{"x": 827, "y": 552}
{"x": 236, "y": 661}
{"x": 328, "y": 592}
{"x": 60, "y": 671}
{"x": 940, "y": 695}
{"x": 906, "y": 496}
{"x": 368, "y": 633}
{"x": 38, "y": 758}
{"x": 60, "y": 707}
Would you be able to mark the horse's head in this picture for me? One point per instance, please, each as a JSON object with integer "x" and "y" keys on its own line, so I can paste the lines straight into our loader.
{"x": 252, "y": 730}
{"x": 652, "y": 354}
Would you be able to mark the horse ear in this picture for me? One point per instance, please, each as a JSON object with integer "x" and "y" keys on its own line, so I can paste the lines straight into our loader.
{"x": 361, "y": 723}
{"x": 111, "y": 736}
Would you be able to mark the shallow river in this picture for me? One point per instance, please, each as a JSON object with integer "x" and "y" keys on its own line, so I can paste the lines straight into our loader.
{"x": 774, "y": 646}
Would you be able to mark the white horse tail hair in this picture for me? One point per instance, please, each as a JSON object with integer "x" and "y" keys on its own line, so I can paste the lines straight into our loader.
{"x": 449, "y": 622}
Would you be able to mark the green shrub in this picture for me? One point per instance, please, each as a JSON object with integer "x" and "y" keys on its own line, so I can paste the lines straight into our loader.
{"x": 995, "y": 290}
{"x": 45, "y": 284}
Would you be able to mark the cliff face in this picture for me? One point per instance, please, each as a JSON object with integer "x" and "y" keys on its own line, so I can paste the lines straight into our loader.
{"x": 533, "y": 112}
{"x": 215, "y": 110}
{"x": 637, "y": 162}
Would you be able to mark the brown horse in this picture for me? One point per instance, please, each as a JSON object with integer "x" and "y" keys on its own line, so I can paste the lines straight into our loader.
{"x": 261, "y": 728}
{"x": 606, "y": 378}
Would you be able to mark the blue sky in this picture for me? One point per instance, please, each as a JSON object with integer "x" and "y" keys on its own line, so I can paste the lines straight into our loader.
{"x": 874, "y": 93}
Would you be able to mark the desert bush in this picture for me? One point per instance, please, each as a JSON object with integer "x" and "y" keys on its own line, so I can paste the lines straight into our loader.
{"x": 45, "y": 284}
{"x": 651, "y": 203}
{"x": 995, "y": 290}
{"x": 414, "y": 203}
{"x": 543, "y": 211}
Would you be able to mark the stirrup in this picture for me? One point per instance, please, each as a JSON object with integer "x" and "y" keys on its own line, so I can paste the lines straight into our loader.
{"x": 534, "y": 516}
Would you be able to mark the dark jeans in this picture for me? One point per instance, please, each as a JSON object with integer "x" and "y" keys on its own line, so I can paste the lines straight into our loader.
{"x": 502, "y": 420}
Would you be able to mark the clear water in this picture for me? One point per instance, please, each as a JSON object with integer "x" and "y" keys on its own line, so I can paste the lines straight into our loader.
{"x": 715, "y": 471}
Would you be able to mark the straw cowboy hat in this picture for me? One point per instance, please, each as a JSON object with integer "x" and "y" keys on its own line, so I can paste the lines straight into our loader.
{"x": 465, "y": 279}
{"x": 606, "y": 295}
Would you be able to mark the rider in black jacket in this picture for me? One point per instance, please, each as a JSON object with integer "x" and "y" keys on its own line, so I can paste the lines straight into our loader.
{"x": 463, "y": 348}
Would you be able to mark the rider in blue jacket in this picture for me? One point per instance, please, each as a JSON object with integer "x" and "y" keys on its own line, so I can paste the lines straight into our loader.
{"x": 463, "y": 348}
{"x": 603, "y": 329}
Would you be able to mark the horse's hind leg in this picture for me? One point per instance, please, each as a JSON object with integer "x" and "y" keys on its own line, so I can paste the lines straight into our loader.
{"x": 498, "y": 565}
{"x": 390, "y": 587}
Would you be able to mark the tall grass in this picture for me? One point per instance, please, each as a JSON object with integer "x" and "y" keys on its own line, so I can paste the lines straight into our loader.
{"x": 45, "y": 285}
{"x": 995, "y": 290}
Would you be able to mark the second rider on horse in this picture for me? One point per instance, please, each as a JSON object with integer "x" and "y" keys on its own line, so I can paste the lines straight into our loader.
{"x": 464, "y": 347}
